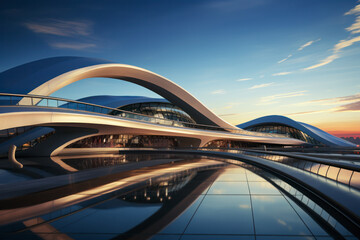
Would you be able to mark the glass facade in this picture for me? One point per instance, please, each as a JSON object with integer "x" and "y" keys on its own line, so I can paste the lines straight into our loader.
{"x": 160, "y": 110}
{"x": 284, "y": 129}
{"x": 120, "y": 140}
{"x": 7, "y": 134}
{"x": 236, "y": 144}
{"x": 35, "y": 141}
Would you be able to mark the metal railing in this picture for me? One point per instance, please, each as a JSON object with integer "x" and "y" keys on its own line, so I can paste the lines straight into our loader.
{"x": 55, "y": 102}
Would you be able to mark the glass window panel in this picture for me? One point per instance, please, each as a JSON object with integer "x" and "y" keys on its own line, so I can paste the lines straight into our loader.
{"x": 315, "y": 167}
{"x": 311, "y": 204}
{"x": 3, "y": 133}
{"x": 318, "y": 209}
{"x": 325, "y": 215}
{"x": 223, "y": 215}
{"x": 302, "y": 164}
{"x": 323, "y": 169}
{"x": 277, "y": 129}
{"x": 344, "y": 176}
{"x": 343, "y": 230}
{"x": 11, "y": 131}
{"x": 333, "y": 172}
{"x": 355, "y": 180}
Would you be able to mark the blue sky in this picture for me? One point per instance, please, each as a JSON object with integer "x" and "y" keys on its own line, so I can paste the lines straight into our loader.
{"x": 241, "y": 58}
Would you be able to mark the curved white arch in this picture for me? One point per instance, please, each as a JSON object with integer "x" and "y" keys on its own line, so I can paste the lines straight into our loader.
{"x": 156, "y": 83}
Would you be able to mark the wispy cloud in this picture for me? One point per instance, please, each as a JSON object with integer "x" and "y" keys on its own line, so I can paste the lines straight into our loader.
{"x": 354, "y": 28}
{"x": 60, "y": 27}
{"x": 220, "y": 91}
{"x": 229, "y": 114}
{"x": 64, "y": 34}
{"x": 283, "y": 60}
{"x": 281, "y": 73}
{"x": 75, "y": 46}
{"x": 231, "y": 105}
{"x": 261, "y": 85}
{"x": 355, "y": 10}
{"x": 323, "y": 62}
{"x": 309, "y": 112}
{"x": 335, "y": 100}
{"x": 351, "y": 107}
{"x": 299, "y": 49}
{"x": 243, "y": 79}
{"x": 308, "y": 44}
{"x": 346, "y": 43}
{"x": 350, "y": 103}
{"x": 272, "y": 98}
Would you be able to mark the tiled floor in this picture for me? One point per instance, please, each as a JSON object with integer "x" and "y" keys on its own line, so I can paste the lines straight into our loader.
{"x": 242, "y": 205}
{"x": 237, "y": 204}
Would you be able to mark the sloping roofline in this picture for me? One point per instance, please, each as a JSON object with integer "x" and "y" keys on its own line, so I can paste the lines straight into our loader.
{"x": 43, "y": 77}
{"x": 310, "y": 130}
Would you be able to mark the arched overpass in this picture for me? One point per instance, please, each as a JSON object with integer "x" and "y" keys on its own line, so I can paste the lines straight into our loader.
{"x": 46, "y": 76}
{"x": 91, "y": 124}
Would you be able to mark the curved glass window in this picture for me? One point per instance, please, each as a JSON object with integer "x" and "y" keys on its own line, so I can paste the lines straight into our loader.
{"x": 128, "y": 141}
{"x": 283, "y": 129}
{"x": 160, "y": 110}
{"x": 119, "y": 140}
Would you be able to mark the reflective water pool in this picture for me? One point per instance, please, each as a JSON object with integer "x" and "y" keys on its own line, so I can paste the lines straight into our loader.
{"x": 196, "y": 198}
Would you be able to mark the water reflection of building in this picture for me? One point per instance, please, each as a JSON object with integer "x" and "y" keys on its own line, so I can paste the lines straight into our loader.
{"x": 162, "y": 190}
{"x": 181, "y": 199}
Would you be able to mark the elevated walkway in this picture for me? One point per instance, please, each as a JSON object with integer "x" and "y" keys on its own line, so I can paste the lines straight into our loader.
{"x": 87, "y": 120}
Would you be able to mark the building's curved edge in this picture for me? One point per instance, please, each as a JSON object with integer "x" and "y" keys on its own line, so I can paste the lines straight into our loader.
{"x": 46, "y": 76}
{"x": 24, "y": 78}
{"x": 119, "y": 101}
{"x": 323, "y": 134}
{"x": 108, "y": 124}
{"x": 312, "y": 131}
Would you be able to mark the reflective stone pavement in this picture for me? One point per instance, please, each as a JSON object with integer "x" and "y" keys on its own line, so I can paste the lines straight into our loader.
{"x": 200, "y": 198}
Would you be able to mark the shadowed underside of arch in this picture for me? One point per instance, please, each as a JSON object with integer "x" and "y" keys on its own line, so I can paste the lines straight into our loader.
{"x": 46, "y": 76}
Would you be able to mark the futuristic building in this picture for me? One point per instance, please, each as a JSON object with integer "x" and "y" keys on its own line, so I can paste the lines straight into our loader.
{"x": 40, "y": 125}
{"x": 130, "y": 167}
{"x": 293, "y": 129}
{"x": 26, "y": 104}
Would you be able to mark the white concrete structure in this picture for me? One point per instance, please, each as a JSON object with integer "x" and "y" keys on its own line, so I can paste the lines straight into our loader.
{"x": 44, "y": 77}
